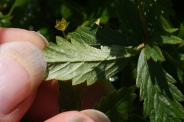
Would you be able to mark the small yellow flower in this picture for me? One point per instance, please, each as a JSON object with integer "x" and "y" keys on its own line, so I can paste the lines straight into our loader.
{"x": 61, "y": 25}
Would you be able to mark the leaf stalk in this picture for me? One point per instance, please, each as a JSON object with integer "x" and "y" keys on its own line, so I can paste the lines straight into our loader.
{"x": 143, "y": 20}
{"x": 12, "y": 8}
{"x": 64, "y": 35}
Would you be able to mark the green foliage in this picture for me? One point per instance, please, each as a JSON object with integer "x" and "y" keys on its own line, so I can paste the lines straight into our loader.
{"x": 118, "y": 105}
{"x": 154, "y": 52}
{"x": 82, "y": 62}
{"x": 101, "y": 36}
{"x": 130, "y": 21}
{"x": 158, "y": 92}
{"x": 140, "y": 41}
{"x": 171, "y": 40}
{"x": 181, "y": 31}
{"x": 70, "y": 101}
{"x": 166, "y": 26}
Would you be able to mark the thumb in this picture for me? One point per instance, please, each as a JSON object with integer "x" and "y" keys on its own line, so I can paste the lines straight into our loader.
{"x": 22, "y": 67}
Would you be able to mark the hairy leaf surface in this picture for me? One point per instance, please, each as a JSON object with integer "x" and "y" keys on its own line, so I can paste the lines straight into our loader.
{"x": 82, "y": 62}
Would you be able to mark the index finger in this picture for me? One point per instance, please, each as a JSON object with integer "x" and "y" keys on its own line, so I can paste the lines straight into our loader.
{"x": 16, "y": 34}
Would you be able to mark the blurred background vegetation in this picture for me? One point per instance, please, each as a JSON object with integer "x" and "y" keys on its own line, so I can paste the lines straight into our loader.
{"x": 41, "y": 15}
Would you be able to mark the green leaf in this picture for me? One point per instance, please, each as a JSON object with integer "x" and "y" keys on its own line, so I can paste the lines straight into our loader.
{"x": 167, "y": 27}
{"x": 181, "y": 31}
{"x": 175, "y": 62}
{"x": 180, "y": 72}
{"x": 129, "y": 17}
{"x": 85, "y": 35}
{"x": 107, "y": 36}
{"x": 171, "y": 39}
{"x": 118, "y": 105}
{"x": 153, "y": 10}
{"x": 154, "y": 52}
{"x": 69, "y": 97}
{"x": 98, "y": 35}
{"x": 158, "y": 92}
{"x": 82, "y": 62}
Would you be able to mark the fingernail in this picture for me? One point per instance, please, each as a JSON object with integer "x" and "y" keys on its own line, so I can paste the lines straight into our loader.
{"x": 78, "y": 118}
{"x": 42, "y": 37}
{"x": 97, "y": 116}
{"x": 22, "y": 67}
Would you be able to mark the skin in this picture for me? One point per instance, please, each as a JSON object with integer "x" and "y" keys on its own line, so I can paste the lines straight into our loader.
{"x": 22, "y": 91}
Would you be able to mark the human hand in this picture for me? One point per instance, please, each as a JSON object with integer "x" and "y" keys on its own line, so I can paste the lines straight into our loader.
{"x": 22, "y": 67}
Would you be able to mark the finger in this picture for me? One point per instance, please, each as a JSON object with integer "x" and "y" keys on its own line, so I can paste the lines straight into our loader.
{"x": 97, "y": 116}
{"x": 15, "y": 34}
{"x": 70, "y": 116}
{"x": 22, "y": 67}
{"x": 89, "y": 115}
{"x": 49, "y": 91}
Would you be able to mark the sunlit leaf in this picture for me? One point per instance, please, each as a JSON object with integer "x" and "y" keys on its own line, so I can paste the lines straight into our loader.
{"x": 171, "y": 39}
{"x": 154, "y": 52}
{"x": 167, "y": 27}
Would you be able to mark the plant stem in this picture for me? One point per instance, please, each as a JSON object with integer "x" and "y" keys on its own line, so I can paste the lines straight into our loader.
{"x": 107, "y": 87}
{"x": 64, "y": 34}
{"x": 12, "y": 8}
{"x": 143, "y": 20}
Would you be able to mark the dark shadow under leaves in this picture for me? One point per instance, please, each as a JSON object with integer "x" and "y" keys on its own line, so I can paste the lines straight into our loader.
{"x": 158, "y": 77}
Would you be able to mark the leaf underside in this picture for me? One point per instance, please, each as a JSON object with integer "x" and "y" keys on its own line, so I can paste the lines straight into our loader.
{"x": 82, "y": 62}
